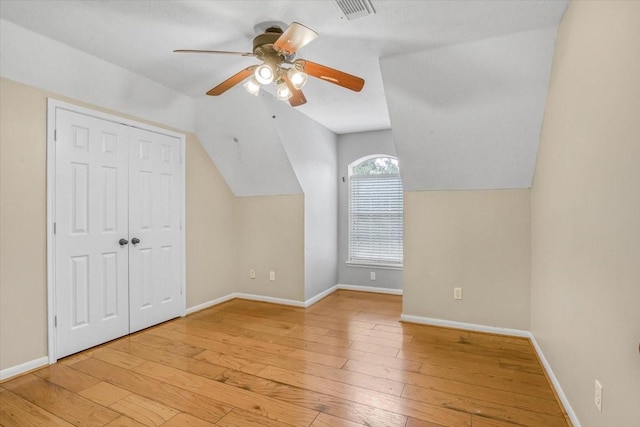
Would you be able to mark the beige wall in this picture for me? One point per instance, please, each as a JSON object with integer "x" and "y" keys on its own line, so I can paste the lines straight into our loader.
{"x": 271, "y": 238}
{"x": 477, "y": 240}
{"x": 210, "y": 225}
{"x": 586, "y": 213}
{"x": 211, "y": 229}
{"x": 23, "y": 244}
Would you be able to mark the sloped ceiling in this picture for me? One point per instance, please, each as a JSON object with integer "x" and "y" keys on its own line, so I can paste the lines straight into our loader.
{"x": 468, "y": 116}
{"x": 243, "y": 142}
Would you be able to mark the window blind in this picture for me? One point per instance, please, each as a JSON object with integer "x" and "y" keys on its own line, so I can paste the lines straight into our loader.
{"x": 375, "y": 215}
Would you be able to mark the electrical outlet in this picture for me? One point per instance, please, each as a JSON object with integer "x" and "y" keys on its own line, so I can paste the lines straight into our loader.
{"x": 252, "y": 273}
{"x": 272, "y": 275}
{"x": 457, "y": 293}
{"x": 372, "y": 275}
{"x": 597, "y": 399}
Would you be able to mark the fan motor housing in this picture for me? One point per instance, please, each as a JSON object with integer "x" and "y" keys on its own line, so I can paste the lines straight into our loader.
{"x": 263, "y": 43}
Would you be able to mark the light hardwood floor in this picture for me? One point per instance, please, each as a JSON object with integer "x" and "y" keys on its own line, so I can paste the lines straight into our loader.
{"x": 346, "y": 361}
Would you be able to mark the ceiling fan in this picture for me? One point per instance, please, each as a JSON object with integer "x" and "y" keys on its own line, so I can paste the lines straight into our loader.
{"x": 277, "y": 50}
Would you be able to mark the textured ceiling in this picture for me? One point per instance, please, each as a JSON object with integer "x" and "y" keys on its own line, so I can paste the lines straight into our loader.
{"x": 140, "y": 36}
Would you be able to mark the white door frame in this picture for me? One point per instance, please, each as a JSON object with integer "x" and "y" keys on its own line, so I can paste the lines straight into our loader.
{"x": 52, "y": 105}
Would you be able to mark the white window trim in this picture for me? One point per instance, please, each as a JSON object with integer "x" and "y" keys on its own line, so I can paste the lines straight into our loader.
{"x": 359, "y": 264}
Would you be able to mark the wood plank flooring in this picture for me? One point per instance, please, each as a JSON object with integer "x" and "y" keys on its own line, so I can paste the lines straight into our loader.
{"x": 346, "y": 361}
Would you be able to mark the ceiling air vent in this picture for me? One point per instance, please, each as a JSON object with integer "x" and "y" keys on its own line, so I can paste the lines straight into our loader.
{"x": 354, "y": 9}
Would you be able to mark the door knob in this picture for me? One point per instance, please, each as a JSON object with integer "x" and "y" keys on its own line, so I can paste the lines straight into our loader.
{"x": 135, "y": 240}
{"x": 123, "y": 242}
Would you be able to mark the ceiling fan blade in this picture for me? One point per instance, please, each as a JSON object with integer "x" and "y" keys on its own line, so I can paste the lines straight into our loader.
{"x": 232, "y": 81}
{"x": 224, "y": 52}
{"x": 330, "y": 75}
{"x": 293, "y": 38}
{"x": 297, "y": 97}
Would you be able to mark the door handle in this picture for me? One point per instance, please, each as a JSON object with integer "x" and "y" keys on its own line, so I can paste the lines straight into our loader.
{"x": 123, "y": 242}
{"x": 135, "y": 241}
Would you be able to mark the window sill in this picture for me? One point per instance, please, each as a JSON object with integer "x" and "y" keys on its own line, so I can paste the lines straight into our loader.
{"x": 374, "y": 265}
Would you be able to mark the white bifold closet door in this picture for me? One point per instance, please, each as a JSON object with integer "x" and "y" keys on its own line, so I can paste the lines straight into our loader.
{"x": 154, "y": 220}
{"x": 117, "y": 230}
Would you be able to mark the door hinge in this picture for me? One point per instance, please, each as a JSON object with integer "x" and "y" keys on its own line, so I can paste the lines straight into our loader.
{"x": 54, "y": 228}
{"x": 55, "y": 321}
{"x": 55, "y": 134}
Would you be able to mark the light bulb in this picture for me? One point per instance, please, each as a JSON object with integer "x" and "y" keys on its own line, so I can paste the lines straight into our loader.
{"x": 252, "y": 86}
{"x": 282, "y": 91}
{"x": 297, "y": 77}
{"x": 264, "y": 74}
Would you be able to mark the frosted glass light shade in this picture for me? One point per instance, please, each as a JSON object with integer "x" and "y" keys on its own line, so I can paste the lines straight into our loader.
{"x": 282, "y": 92}
{"x": 252, "y": 86}
{"x": 298, "y": 78}
{"x": 264, "y": 74}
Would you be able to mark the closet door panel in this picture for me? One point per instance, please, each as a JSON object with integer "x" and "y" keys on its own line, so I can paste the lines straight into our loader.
{"x": 91, "y": 216}
{"x": 154, "y": 219}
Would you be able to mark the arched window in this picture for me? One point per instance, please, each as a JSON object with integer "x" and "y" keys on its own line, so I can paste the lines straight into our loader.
{"x": 375, "y": 212}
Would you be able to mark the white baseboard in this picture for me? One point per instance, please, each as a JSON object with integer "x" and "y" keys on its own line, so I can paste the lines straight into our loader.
{"x": 208, "y": 304}
{"x": 251, "y": 297}
{"x": 313, "y": 300}
{"x": 24, "y": 367}
{"x": 503, "y": 331}
{"x": 373, "y": 289}
{"x": 273, "y": 300}
{"x": 555, "y": 382}
{"x": 293, "y": 303}
{"x": 468, "y": 326}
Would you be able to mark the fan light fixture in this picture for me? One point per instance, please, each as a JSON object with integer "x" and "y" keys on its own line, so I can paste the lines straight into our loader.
{"x": 298, "y": 78}
{"x": 282, "y": 91}
{"x": 252, "y": 86}
{"x": 264, "y": 74}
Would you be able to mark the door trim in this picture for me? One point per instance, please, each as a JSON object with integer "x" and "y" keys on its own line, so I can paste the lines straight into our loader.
{"x": 52, "y": 106}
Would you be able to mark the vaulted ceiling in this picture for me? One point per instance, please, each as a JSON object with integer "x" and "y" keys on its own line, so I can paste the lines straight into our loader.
{"x": 141, "y": 35}
{"x": 462, "y": 84}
